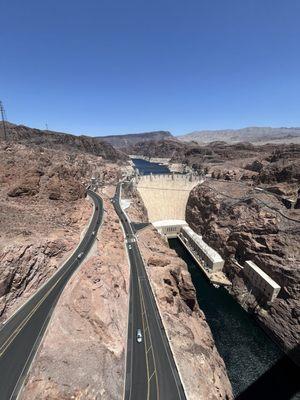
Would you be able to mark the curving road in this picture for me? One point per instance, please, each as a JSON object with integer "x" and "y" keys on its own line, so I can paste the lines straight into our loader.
{"x": 151, "y": 372}
{"x": 22, "y": 333}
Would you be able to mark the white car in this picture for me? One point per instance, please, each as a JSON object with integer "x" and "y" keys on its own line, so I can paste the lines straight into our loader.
{"x": 139, "y": 336}
{"x": 79, "y": 256}
{"x": 130, "y": 247}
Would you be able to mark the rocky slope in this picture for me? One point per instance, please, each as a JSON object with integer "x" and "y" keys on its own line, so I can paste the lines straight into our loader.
{"x": 83, "y": 353}
{"x": 43, "y": 210}
{"x": 62, "y": 141}
{"x": 190, "y": 337}
{"x": 276, "y": 169}
{"x": 137, "y": 210}
{"x": 204, "y": 156}
{"x": 123, "y": 141}
{"x": 282, "y": 165}
{"x": 233, "y": 219}
{"x": 167, "y": 148}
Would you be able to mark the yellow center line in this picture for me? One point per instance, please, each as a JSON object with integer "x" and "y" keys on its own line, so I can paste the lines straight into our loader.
{"x": 154, "y": 372}
{"x": 17, "y": 330}
{"x": 145, "y": 344}
{"x": 149, "y": 349}
{"x": 155, "y": 369}
{"x": 14, "y": 334}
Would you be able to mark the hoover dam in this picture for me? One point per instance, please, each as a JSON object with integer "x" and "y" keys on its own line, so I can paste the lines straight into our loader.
{"x": 165, "y": 195}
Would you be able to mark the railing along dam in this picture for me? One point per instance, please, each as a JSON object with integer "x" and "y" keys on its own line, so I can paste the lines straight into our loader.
{"x": 165, "y": 196}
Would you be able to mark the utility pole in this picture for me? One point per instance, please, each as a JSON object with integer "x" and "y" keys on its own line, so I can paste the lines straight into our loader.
{"x": 3, "y": 120}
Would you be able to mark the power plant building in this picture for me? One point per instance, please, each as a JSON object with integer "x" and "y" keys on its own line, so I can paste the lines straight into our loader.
{"x": 210, "y": 258}
{"x": 169, "y": 228}
{"x": 261, "y": 281}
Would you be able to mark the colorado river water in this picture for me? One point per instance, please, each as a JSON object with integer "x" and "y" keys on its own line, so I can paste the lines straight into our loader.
{"x": 147, "y": 168}
{"x": 256, "y": 367}
{"x": 247, "y": 351}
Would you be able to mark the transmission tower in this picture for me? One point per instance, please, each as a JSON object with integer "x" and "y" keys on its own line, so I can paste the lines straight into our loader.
{"x": 3, "y": 117}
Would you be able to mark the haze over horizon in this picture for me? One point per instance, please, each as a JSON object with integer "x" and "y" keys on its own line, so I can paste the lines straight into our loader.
{"x": 102, "y": 69}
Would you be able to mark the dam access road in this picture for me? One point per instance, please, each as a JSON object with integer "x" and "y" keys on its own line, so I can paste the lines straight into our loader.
{"x": 151, "y": 372}
{"x": 22, "y": 333}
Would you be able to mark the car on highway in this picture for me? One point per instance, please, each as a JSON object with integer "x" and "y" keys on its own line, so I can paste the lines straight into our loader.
{"x": 139, "y": 336}
{"x": 130, "y": 247}
{"x": 80, "y": 256}
{"x": 93, "y": 233}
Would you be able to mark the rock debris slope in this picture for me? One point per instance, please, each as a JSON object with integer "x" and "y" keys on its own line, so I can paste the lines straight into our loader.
{"x": 63, "y": 141}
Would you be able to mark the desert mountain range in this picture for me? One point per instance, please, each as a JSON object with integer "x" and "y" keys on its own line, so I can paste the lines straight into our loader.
{"x": 249, "y": 134}
{"x": 121, "y": 141}
{"x": 90, "y": 144}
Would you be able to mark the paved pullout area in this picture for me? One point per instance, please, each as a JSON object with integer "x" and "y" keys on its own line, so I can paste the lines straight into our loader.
{"x": 21, "y": 334}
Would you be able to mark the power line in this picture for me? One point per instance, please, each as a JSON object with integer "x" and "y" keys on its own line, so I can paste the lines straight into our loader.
{"x": 3, "y": 116}
{"x": 248, "y": 196}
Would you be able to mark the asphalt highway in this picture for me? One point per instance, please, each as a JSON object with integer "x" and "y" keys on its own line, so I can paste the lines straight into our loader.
{"x": 22, "y": 333}
{"x": 151, "y": 372}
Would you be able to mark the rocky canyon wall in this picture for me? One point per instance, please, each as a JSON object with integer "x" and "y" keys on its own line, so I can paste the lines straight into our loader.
{"x": 233, "y": 219}
{"x": 42, "y": 213}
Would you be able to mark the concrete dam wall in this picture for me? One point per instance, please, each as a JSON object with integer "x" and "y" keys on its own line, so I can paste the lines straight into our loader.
{"x": 165, "y": 196}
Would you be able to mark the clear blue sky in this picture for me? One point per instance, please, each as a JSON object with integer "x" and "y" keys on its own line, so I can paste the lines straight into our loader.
{"x": 118, "y": 66}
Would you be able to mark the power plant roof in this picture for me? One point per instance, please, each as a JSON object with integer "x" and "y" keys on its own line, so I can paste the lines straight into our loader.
{"x": 209, "y": 251}
{"x": 265, "y": 276}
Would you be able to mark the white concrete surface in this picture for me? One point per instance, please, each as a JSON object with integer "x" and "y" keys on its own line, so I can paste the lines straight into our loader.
{"x": 125, "y": 203}
{"x": 170, "y": 228}
{"x": 211, "y": 257}
{"x": 165, "y": 196}
{"x": 260, "y": 280}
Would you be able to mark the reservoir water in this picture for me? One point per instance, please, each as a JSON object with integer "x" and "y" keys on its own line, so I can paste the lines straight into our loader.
{"x": 147, "y": 168}
{"x": 256, "y": 367}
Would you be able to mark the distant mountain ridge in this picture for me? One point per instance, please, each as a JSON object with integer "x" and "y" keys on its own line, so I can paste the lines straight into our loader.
{"x": 249, "y": 134}
{"x": 62, "y": 141}
{"x": 122, "y": 141}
